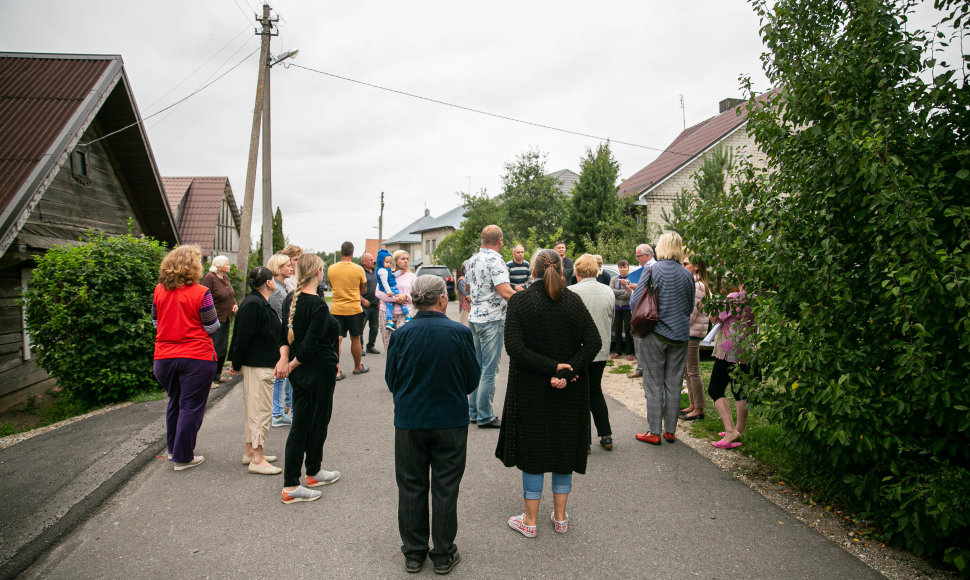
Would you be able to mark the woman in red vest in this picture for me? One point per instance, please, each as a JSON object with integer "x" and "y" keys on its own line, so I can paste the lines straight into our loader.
{"x": 185, "y": 360}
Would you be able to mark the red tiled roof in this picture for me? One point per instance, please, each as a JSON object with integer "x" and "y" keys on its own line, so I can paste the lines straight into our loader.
{"x": 200, "y": 213}
{"x": 688, "y": 145}
{"x": 38, "y": 96}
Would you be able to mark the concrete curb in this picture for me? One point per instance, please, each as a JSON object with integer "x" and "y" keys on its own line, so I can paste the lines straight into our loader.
{"x": 85, "y": 506}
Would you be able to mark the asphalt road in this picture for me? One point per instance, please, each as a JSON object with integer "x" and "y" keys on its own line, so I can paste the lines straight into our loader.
{"x": 639, "y": 512}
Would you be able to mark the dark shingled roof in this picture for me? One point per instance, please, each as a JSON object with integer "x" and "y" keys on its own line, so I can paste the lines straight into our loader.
{"x": 688, "y": 145}
{"x": 46, "y": 103}
{"x": 196, "y": 202}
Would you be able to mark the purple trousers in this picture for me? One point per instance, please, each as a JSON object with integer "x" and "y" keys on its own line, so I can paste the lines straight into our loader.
{"x": 187, "y": 382}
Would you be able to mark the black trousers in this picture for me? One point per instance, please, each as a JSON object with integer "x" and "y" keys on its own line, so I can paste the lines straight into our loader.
{"x": 312, "y": 408}
{"x": 416, "y": 451}
{"x": 621, "y": 332}
{"x": 371, "y": 316}
{"x": 220, "y": 340}
{"x": 597, "y": 402}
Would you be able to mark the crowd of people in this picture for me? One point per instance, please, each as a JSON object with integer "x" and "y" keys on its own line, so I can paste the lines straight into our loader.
{"x": 559, "y": 321}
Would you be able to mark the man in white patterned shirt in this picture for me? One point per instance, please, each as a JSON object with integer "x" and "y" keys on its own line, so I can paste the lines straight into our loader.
{"x": 487, "y": 278}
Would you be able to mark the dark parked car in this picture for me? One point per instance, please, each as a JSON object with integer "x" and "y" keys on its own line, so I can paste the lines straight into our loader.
{"x": 442, "y": 272}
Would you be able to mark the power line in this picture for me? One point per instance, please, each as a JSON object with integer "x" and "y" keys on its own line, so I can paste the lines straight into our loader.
{"x": 176, "y": 103}
{"x": 201, "y": 66}
{"x": 486, "y": 113}
{"x": 246, "y": 16}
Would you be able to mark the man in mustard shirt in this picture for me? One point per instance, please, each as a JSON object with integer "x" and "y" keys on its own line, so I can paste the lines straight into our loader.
{"x": 348, "y": 281}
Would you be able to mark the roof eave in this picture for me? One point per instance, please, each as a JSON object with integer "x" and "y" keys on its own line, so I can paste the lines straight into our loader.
{"x": 645, "y": 191}
{"x": 28, "y": 195}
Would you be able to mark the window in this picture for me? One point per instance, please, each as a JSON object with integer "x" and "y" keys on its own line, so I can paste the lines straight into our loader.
{"x": 79, "y": 165}
{"x": 427, "y": 246}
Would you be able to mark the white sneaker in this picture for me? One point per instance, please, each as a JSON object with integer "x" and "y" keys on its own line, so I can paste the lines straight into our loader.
{"x": 195, "y": 461}
{"x": 300, "y": 494}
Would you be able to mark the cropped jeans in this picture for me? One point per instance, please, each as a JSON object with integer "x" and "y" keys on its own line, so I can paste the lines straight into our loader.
{"x": 532, "y": 484}
{"x": 489, "y": 338}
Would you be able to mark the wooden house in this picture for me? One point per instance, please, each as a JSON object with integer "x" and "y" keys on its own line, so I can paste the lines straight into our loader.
{"x": 74, "y": 157}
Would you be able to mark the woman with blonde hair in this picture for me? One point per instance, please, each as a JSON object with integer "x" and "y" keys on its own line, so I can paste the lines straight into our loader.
{"x": 217, "y": 281}
{"x": 282, "y": 269}
{"x": 600, "y": 302}
{"x": 551, "y": 340}
{"x": 309, "y": 358}
{"x": 663, "y": 352}
{"x": 400, "y": 264}
{"x": 184, "y": 317}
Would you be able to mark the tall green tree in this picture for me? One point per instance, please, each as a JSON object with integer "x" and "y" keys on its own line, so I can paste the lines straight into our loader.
{"x": 531, "y": 199}
{"x": 279, "y": 240}
{"x": 855, "y": 251}
{"x": 594, "y": 197}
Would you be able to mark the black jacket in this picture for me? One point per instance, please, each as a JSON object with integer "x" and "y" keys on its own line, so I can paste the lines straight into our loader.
{"x": 256, "y": 334}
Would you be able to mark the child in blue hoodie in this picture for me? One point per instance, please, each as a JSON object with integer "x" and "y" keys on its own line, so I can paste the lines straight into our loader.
{"x": 387, "y": 283}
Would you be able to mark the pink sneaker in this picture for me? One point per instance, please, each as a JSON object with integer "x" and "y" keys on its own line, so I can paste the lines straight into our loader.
{"x": 561, "y": 527}
{"x": 515, "y": 522}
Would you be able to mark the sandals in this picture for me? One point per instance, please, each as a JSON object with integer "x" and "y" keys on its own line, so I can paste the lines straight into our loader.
{"x": 361, "y": 370}
{"x": 725, "y": 445}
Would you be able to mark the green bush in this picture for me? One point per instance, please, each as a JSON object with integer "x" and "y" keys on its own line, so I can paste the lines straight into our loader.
{"x": 89, "y": 315}
{"x": 855, "y": 249}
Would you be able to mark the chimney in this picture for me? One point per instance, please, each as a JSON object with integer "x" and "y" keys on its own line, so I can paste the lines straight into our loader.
{"x": 729, "y": 104}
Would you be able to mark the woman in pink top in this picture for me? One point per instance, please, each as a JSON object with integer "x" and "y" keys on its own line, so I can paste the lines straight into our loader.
{"x": 184, "y": 317}
{"x": 405, "y": 279}
{"x": 735, "y": 323}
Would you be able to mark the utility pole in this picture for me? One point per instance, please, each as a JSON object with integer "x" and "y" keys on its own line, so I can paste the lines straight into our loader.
{"x": 267, "y": 169}
{"x": 245, "y": 233}
{"x": 380, "y": 225}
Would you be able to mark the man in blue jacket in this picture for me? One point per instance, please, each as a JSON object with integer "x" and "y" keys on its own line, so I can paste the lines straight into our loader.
{"x": 431, "y": 368}
{"x": 644, "y": 254}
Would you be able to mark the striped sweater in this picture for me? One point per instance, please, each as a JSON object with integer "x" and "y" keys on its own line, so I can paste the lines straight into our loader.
{"x": 675, "y": 287}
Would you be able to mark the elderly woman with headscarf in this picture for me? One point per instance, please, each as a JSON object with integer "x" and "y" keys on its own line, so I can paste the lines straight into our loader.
{"x": 184, "y": 318}
{"x": 217, "y": 281}
{"x": 255, "y": 351}
{"x": 551, "y": 340}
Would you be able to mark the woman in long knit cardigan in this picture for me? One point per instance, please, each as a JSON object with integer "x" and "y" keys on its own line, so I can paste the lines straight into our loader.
{"x": 551, "y": 339}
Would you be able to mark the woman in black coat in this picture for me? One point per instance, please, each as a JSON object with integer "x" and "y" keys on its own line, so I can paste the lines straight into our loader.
{"x": 551, "y": 339}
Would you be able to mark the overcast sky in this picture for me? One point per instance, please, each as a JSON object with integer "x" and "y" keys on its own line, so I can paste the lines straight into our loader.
{"x": 610, "y": 69}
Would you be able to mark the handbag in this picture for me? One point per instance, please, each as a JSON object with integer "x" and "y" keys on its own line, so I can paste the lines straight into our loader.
{"x": 647, "y": 312}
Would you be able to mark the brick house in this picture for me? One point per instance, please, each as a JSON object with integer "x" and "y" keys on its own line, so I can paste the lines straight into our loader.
{"x": 434, "y": 231}
{"x": 657, "y": 185}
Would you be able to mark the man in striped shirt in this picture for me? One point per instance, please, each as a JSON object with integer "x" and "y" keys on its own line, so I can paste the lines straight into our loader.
{"x": 518, "y": 269}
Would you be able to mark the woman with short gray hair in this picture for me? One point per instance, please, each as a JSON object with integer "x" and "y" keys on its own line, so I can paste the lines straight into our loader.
{"x": 431, "y": 368}
{"x": 217, "y": 281}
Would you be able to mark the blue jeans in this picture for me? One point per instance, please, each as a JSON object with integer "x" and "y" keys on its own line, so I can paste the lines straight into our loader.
{"x": 278, "y": 396}
{"x": 532, "y": 484}
{"x": 489, "y": 338}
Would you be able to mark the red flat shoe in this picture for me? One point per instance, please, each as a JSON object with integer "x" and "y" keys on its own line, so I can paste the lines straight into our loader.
{"x": 670, "y": 437}
{"x": 648, "y": 438}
